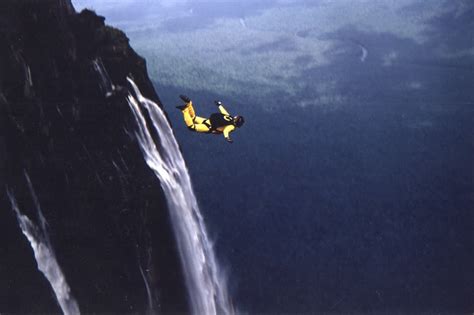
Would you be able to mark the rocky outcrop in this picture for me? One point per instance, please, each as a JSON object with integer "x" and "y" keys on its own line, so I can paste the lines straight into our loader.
{"x": 65, "y": 122}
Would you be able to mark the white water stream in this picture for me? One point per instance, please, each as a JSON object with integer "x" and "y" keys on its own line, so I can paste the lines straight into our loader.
{"x": 37, "y": 236}
{"x": 207, "y": 288}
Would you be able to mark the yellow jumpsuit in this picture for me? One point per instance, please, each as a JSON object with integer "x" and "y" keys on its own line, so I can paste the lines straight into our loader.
{"x": 200, "y": 124}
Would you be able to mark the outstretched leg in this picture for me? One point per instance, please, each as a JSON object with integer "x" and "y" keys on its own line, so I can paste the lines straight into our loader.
{"x": 194, "y": 123}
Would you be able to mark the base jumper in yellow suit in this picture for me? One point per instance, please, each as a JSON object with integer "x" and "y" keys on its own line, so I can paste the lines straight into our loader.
{"x": 217, "y": 123}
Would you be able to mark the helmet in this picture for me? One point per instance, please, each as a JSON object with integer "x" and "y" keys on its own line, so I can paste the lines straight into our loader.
{"x": 239, "y": 121}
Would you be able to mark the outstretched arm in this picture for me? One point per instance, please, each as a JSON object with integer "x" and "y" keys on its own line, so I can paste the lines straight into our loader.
{"x": 221, "y": 108}
{"x": 227, "y": 130}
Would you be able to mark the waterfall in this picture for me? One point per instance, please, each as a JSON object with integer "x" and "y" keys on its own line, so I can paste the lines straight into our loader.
{"x": 105, "y": 83}
{"x": 207, "y": 288}
{"x": 44, "y": 253}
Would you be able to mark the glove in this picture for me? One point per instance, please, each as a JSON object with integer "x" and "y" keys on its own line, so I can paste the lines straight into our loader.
{"x": 229, "y": 140}
{"x": 218, "y": 103}
{"x": 185, "y": 98}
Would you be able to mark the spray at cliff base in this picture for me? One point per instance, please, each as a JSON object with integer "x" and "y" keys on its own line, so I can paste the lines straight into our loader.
{"x": 207, "y": 288}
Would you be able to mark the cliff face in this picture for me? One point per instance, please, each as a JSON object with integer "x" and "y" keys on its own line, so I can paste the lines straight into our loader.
{"x": 64, "y": 121}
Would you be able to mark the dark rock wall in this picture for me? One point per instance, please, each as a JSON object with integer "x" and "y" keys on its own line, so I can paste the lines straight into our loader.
{"x": 106, "y": 212}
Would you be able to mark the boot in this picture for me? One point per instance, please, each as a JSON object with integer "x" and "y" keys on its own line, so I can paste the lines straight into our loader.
{"x": 185, "y": 98}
